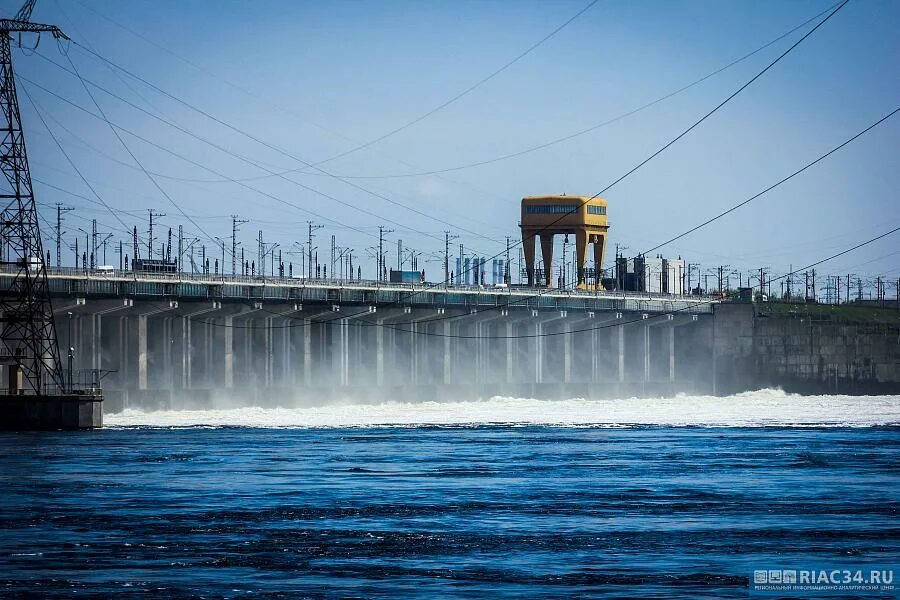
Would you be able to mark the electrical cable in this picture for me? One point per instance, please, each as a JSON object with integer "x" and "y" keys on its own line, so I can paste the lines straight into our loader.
{"x": 735, "y": 207}
{"x": 689, "y": 129}
{"x": 195, "y": 163}
{"x": 697, "y": 123}
{"x": 776, "y": 184}
{"x": 627, "y": 174}
{"x": 281, "y": 108}
{"x": 570, "y": 332}
{"x": 491, "y": 160}
{"x": 592, "y": 128}
{"x": 448, "y": 102}
{"x": 137, "y": 161}
{"x": 680, "y": 135}
{"x": 68, "y": 158}
{"x": 258, "y": 165}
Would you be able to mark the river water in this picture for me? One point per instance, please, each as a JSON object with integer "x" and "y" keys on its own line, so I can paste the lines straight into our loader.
{"x": 682, "y": 497}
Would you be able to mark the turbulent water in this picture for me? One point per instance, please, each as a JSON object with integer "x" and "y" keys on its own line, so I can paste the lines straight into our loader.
{"x": 680, "y": 497}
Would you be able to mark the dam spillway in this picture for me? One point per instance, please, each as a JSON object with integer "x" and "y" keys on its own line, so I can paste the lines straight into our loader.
{"x": 171, "y": 341}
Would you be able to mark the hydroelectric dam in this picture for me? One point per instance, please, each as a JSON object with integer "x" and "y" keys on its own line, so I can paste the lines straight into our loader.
{"x": 157, "y": 341}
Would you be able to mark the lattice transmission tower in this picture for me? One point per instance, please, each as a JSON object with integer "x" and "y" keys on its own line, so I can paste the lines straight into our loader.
{"x": 28, "y": 344}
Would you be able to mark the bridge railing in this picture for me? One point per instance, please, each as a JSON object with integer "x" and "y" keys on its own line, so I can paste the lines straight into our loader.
{"x": 116, "y": 283}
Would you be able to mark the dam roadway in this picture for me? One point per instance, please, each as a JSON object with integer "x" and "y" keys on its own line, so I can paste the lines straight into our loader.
{"x": 182, "y": 341}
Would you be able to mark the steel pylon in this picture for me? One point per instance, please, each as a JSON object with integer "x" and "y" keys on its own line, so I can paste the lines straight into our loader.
{"x": 28, "y": 343}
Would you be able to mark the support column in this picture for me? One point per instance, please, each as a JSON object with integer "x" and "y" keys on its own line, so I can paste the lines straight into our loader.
{"x": 538, "y": 352}
{"x": 209, "y": 329}
{"x": 568, "y": 343}
{"x": 78, "y": 334}
{"x": 547, "y": 253}
{"x": 581, "y": 239}
{"x": 96, "y": 341}
{"x": 379, "y": 353}
{"x": 250, "y": 378}
{"x": 646, "y": 352}
{"x": 414, "y": 351}
{"x": 341, "y": 354}
{"x": 671, "y": 353}
{"x": 269, "y": 343}
{"x": 528, "y": 249}
{"x": 599, "y": 249}
{"x": 307, "y": 352}
{"x": 621, "y": 335}
{"x": 228, "y": 334}
{"x": 124, "y": 363}
{"x": 167, "y": 353}
{"x": 185, "y": 352}
{"x": 142, "y": 339}
{"x": 287, "y": 362}
{"x": 448, "y": 364}
{"x": 142, "y": 351}
{"x": 509, "y": 352}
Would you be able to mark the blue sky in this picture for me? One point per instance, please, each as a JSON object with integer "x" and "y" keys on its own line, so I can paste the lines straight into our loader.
{"x": 323, "y": 77}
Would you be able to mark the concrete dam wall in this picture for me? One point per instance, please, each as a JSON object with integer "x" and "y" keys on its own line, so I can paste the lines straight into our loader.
{"x": 815, "y": 349}
{"x": 196, "y": 354}
{"x": 200, "y": 342}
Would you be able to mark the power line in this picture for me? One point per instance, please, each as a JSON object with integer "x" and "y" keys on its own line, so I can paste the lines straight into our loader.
{"x": 461, "y": 94}
{"x": 69, "y": 159}
{"x": 722, "y": 103}
{"x": 477, "y": 163}
{"x": 673, "y": 140}
{"x": 549, "y": 290}
{"x": 600, "y": 125}
{"x": 552, "y": 334}
{"x": 693, "y": 126}
{"x": 768, "y": 189}
{"x": 774, "y": 185}
{"x": 608, "y": 326}
{"x": 246, "y": 159}
{"x": 288, "y": 111}
{"x": 359, "y": 146}
{"x": 137, "y": 161}
{"x": 195, "y": 163}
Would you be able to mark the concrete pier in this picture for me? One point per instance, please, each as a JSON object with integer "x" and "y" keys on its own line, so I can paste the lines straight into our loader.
{"x": 51, "y": 412}
{"x": 194, "y": 342}
{"x": 192, "y": 354}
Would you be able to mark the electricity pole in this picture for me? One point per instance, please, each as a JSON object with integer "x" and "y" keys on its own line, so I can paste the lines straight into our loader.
{"x": 153, "y": 213}
{"x": 309, "y": 246}
{"x": 235, "y": 224}
{"x": 506, "y": 277}
{"x": 60, "y": 209}
{"x": 333, "y": 255}
{"x": 381, "y": 232}
{"x": 28, "y": 330}
{"x": 261, "y": 255}
{"x": 447, "y": 238}
{"x": 93, "y": 243}
{"x": 180, "y": 248}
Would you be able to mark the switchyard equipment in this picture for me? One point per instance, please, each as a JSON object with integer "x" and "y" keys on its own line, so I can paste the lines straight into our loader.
{"x": 37, "y": 395}
{"x": 546, "y": 216}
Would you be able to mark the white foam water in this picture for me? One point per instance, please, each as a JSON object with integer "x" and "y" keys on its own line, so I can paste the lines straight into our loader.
{"x": 762, "y": 408}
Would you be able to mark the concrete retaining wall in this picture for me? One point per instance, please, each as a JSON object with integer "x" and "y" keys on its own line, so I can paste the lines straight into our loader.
{"x": 803, "y": 354}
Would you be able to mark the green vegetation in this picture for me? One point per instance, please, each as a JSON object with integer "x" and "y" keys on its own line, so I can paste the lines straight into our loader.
{"x": 829, "y": 312}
